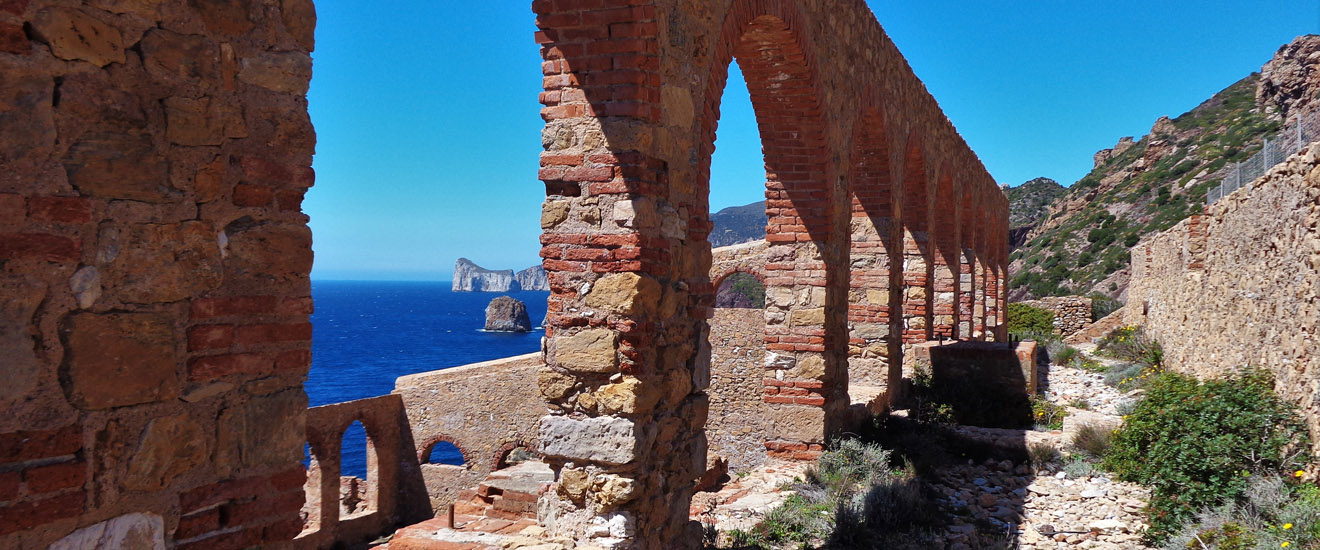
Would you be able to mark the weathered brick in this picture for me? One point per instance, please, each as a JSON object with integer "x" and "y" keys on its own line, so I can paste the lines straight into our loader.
{"x": 198, "y": 524}
{"x": 45, "y": 479}
{"x": 32, "y": 445}
{"x": 32, "y": 513}
{"x": 252, "y": 195}
{"x": 9, "y": 482}
{"x": 39, "y": 246}
{"x": 263, "y": 508}
{"x": 210, "y": 308}
{"x": 210, "y": 337}
{"x": 60, "y": 209}
{"x": 273, "y": 333}
{"x": 219, "y": 366}
{"x": 13, "y": 39}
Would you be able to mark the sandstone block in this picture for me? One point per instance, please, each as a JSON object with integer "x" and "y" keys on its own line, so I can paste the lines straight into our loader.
{"x": 169, "y": 447}
{"x": 269, "y": 251}
{"x": 630, "y": 396}
{"x": 266, "y": 431}
{"x": 300, "y": 20}
{"x": 877, "y": 297}
{"x": 119, "y": 359}
{"x": 119, "y": 166}
{"x": 26, "y": 115}
{"x": 288, "y": 72}
{"x": 193, "y": 121}
{"x": 160, "y": 263}
{"x": 605, "y": 439}
{"x": 20, "y": 298}
{"x": 625, "y": 293}
{"x": 553, "y": 384}
{"x": 797, "y": 423}
{"x": 136, "y": 531}
{"x": 610, "y": 491}
{"x": 553, "y": 213}
{"x": 870, "y": 331}
{"x": 591, "y": 350}
{"x": 809, "y": 317}
{"x": 75, "y": 35}
{"x": 172, "y": 57}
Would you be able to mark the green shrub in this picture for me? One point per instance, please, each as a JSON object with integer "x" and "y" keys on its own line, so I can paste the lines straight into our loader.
{"x": 1273, "y": 511}
{"x": 853, "y": 493}
{"x": 1065, "y": 356}
{"x": 1197, "y": 444}
{"x": 1102, "y": 306}
{"x": 1025, "y": 319}
{"x": 1092, "y": 440}
{"x": 1047, "y": 415}
{"x": 1131, "y": 343}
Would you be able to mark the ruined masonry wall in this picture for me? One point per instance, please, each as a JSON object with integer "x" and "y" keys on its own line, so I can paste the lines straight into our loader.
{"x": 738, "y": 421}
{"x": 484, "y": 409}
{"x": 1240, "y": 285}
{"x": 1071, "y": 313}
{"x": 154, "y": 294}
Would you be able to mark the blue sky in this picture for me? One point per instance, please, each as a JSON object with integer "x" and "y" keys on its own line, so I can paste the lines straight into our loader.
{"x": 429, "y": 129}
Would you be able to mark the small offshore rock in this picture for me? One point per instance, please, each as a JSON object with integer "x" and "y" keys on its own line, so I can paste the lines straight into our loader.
{"x": 505, "y": 314}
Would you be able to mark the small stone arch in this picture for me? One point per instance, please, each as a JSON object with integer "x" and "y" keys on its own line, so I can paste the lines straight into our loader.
{"x": 424, "y": 451}
{"x": 498, "y": 458}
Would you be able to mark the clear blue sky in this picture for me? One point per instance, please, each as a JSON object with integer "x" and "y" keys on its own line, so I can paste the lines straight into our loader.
{"x": 428, "y": 125}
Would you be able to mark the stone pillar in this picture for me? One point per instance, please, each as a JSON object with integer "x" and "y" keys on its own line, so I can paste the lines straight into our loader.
{"x": 966, "y": 294}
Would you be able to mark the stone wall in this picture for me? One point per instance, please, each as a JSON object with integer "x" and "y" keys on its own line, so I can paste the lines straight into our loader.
{"x": 737, "y": 425}
{"x": 1071, "y": 313}
{"x": 484, "y": 409}
{"x": 154, "y": 269}
{"x": 1240, "y": 285}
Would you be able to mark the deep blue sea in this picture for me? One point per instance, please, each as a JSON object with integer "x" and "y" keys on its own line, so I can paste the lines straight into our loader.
{"x": 365, "y": 334}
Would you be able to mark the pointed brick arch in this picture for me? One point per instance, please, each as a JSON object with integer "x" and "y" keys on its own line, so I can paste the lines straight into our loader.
{"x": 918, "y": 260}
{"x": 875, "y": 298}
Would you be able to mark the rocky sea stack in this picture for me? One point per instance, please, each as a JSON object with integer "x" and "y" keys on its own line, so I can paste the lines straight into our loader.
{"x": 505, "y": 314}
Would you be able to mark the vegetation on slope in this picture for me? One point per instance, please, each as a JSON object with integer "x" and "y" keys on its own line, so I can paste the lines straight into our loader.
{"x": 1030, "y": 202}
{"x": 1083, "y": 244}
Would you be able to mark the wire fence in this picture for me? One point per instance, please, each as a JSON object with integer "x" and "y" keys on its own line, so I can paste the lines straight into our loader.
{"x": 1276, "y": 149}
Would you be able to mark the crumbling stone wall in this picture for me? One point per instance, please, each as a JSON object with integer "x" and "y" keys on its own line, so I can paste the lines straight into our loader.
{"x": 632, "y": 94}
{"x": 1240, "y": 285}
{"x": 1071, "y": 313}
{"x": 154, "y": 269}
{"x": 739, "y": 419}
{"x": 484, "y": 409}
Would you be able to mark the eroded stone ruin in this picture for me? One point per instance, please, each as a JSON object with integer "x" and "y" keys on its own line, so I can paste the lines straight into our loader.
{"x": 154, "y": 264}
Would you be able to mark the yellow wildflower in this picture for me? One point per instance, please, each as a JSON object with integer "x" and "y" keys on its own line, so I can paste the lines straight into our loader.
{"x": 1285, "y": 544}
{"x": 1299, "y": 473}
{"x": 1287, "y": 526}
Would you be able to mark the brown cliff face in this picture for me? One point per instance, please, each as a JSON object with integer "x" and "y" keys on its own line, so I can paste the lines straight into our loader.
{"x": 1146, "y": 185}
{"x": 1290, "y": 83}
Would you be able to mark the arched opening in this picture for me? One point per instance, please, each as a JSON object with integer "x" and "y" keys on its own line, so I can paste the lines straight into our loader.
{"x": 740, "y": 290}
{"x": 358, "y": 472}
{"x": 946, "y": 270}
{"x": 969, "y": 298}
{"x": 875, "y": 282}
{"x": 918, "y": 262}
{"x": 801, "y": 350}
{"x": 443, "y": 452}
{"x": 513, "y": 454}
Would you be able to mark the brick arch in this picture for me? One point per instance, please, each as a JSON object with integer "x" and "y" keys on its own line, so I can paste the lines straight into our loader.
{"x": 876, "y": 256}
{"x": 424, "y": 451}
{"x": 918, "y": 256}
{"x": 501, "y": 453}
{"x": 945, "y": 268}
{"x": 766, "y": 38}
{"x": 750, "y": 270}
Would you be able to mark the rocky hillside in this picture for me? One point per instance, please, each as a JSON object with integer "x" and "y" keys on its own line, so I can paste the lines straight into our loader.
{"x": 1030, "y": 202}
{"x": 1143, "y": 186}
{"x": 738, "y": 224}
{"x": 470, "y": 277}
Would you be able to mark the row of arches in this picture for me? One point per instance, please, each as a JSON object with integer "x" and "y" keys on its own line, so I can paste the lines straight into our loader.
{"x": 883, "y": 228}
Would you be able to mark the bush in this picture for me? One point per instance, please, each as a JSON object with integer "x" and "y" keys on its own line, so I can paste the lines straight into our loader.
{"x": 1198, "y": 444}
{"x": 1092, "y": 440}
{"x": 1042, "y": 454}
{"x": 852, "y": 495}
{"x": 1102, "y": 306}
{"x": 1024, "y": 319}
{"x": 1274, "y": 511}
{"x": 1131, "y": 343}
{"x": 1047, "y": 415}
